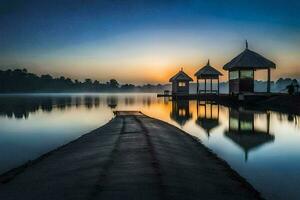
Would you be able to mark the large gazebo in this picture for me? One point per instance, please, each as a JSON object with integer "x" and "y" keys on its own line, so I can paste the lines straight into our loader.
{"x": 208, "y": 73}
{"x": 241, "y": 71}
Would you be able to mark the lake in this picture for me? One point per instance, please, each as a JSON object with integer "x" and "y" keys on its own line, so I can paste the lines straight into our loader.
{"x": 263, "y": 147}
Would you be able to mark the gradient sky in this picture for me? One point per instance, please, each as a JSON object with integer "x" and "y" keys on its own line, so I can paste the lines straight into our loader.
{"x": 145, "y": 41}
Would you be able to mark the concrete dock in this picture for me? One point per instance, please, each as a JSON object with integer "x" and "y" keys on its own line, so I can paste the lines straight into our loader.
{"x": 131, "y": 157}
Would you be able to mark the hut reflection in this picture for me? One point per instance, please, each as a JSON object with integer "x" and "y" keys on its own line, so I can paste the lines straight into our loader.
{"x": 180, "y": 112}
{"x": 78, "y": 101}
{"x": 88, "y": 102}
{"x": 129, "y": 100}
{"x": 97, "y": 101}
{"x": 46, "y": 104}
{"x": 20, "y": 107}
{"x": 243, "y": 132}
{"x": 291, "y": 118}
{"x": 166, "y": 100}
{"x": 112, "y": 101}
{"x": 147, "y": 101}
{"x": 207, "y": 116}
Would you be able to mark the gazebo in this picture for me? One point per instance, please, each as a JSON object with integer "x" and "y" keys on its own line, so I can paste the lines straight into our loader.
{"x": 180, "y": 83}
{"x": 210, "y": 73}
{"x": 241, "y": 71}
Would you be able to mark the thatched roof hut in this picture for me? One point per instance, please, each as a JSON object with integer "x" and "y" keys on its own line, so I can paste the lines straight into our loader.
{"x": 249, "y": 60}
{"x": 210, "y": 73}
{"x": 180, "y": 83}
{"x": 241, "y": 70}
{"x": 180, "y": 76}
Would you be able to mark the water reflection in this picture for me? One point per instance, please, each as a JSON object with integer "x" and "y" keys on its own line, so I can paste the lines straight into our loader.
{"x": 243, "y": 132}
{"x": 18, "y": 106}
{"x": 31, "y": 125}
{"x": 112, "y": 102}
{"x": 129, "y": 100}
{"x": 207, "y": 116}
{"x": 291, "y": 118}
{"x": 180, "y": 112}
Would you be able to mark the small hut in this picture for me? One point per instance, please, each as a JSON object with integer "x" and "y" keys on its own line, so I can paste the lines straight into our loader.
{"x": 241, "y": 71}
{"x": 180, "y": 83}
{"x": 208, "y": 73}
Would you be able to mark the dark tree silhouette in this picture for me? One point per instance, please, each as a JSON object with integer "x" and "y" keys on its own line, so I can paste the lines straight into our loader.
{"x": 20, "y": 80}
{"x": 113, "y": 83}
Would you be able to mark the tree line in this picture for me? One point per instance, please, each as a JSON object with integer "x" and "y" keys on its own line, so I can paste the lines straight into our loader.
{"x": 20, "y": 80}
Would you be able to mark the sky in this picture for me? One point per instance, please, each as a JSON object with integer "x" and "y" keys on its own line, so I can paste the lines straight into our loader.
{"x": 145, "y": 41}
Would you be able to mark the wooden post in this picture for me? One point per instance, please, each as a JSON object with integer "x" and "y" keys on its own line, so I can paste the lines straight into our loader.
{"x": 268, "y": 122}
{"x": 211, "y": 110}
{"x": 197, "y": 104}
{"x": 239, "y": 80}
{"x": 239, "y": 125}
{"x": 218, "y": 85}
{"x": 229, "y": 89}
{"x": 229, "y": 121}
{"x": 253, "y": 79}
{"x": 197, "y": 86}
{"x": 211, "y": 85}
{"x": 269, "y": 81}
{"x": 253, "y": 125}
{"x": 205, "y": 85}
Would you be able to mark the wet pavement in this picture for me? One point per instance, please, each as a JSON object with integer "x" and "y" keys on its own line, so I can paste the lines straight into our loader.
{"x": 131, "y": 157}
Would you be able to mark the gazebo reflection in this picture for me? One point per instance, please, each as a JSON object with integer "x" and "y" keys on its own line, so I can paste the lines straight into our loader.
{"x": 207, "y": 116}
{"x": 112, "y": 101}
{"x": 180, "y": 112}
{"x": 243, "y": 132}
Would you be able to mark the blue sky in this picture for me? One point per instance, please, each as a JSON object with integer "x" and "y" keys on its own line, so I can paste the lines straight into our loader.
{"x": 124, "y": 39}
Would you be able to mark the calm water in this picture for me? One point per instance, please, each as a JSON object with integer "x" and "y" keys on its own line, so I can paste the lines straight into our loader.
{"x": 264, "y": 147}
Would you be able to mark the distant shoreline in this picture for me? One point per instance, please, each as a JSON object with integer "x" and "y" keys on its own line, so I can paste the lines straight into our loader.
{"x": 22, "y": 81}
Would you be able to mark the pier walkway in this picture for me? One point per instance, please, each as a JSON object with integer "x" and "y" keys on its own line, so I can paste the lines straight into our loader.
{"x": 131, "y": 157}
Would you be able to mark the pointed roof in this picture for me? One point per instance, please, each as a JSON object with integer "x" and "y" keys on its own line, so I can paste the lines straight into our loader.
{"x": 208, "y": 70}
{"x": 207, "y": 123}
{"x": 180, "y": 119}
{"x": 181, "y": 76}
{"x": 249, "y": 140}
{"x": 249, "y": 59}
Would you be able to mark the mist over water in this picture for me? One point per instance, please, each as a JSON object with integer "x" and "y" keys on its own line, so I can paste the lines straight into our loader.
{"x": 262, "y": 146}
